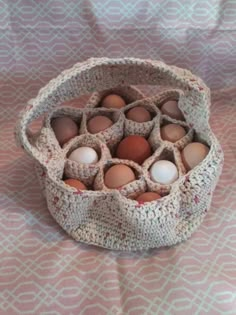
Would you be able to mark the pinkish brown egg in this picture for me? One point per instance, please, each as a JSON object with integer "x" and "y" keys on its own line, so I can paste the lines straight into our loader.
{"x": 118, "y": 176}
{"x": 75, "y": 183}
{"x": 98, "y": 124}
{"x": 113, "y": 101}
{"x": 148, "y": 196}
{"x": 65, "y": 129}
{"x": 193, "y": 154}
{"x": 172, "y": 132}
{"x": 172, "y": 110}
{"x": 139, "y": 114}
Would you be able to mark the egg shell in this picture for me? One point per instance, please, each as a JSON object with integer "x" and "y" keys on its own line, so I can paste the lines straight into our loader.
{"x": 85, "y": 155}
{"x": 113, "y": 101}
{"x": 171, "y": 109}
{"x": 134, "y": 148}
{"x": 139, "y": 114}
{"x": 75, "y": 183}
{"x": 148, "y": 196}
{"x": 65, "y": 129}
{"x": 172, "y": 132}
{"x": 164, "y": 172}
{"x": 98, "y": 124}
{"x": 118, "y": 176}
{"x": 193, "y": 154}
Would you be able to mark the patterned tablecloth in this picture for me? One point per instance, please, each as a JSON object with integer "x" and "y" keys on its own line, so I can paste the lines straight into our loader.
{"x": 43, "y": 271}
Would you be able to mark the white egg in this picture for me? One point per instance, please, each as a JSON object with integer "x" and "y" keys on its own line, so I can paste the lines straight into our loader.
{"x": 84, "y": 155}
{"x": 164, "y": 172}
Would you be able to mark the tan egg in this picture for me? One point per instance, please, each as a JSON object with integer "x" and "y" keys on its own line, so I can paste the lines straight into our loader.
{"x": 193, "y": 154}
{"x": 172, "y": 132}
{"x": 172, "y": 110}
{"x": 118, "y": 176}
{"x": 139, "y": 114}
{"x": 75, "y": 183}
{"x": 99, "y": 123}
{"x": 148, "y": 196}
{"x": 113, "y": 101}
{"x": 65, "y": 129}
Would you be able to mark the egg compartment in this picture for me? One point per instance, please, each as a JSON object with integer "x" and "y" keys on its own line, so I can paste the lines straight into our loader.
{"x": 69, "y": 207}
{"x": 148, "y": 220}
{"x": 141, "y": 128}
{"x": 203, "y": 136}
{"x": 181, "y": 143}
{"x": 85, "y": 172}
{"x": 197, "y": 186}
{"x": 206, "y": 139}
{"x": 75, "y": 114}
{"x": 46, "y": 141}
{"x": 47, "y": 144}
{"x": 165, "y": 96}
{"x": 170, "y": 95}
{"x": 158, "y": 100}
{"x": 51, "y": 152}
{"x": 114, "y": 149}
{"x": 54, "y": 167}
{"x": 196, "y": 189}
{"x": 136, "y": 193}
{"x": 163, "y": 153}
{"x": 103, "y": 211}
{"x": 129, "y": 93}
{"x": 129, "y": 188}
{"x": 112, "y": 135}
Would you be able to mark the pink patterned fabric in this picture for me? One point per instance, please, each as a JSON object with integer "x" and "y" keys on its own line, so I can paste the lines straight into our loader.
{"x": 42, "y": 270}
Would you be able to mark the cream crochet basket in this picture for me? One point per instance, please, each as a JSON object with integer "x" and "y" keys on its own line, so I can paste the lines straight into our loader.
{"x": 111, "y": 218}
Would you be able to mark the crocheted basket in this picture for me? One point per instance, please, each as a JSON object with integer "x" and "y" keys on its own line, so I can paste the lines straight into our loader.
{"x": 111, "y": 218}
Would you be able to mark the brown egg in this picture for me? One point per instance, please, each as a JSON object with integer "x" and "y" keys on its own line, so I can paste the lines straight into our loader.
{"x": 193, "y": 154}
{"x": 172, "y": 132}
{"x": 172, "y": 110}
{"x": 75, "y": 183}
{"x": 148, "y": 196}
{"x": 135, "y": 148}
{"x": 113, "y": 101}
{"x": 139, "y": 114}
{"x": 99, "y": 123}
{"x": 118, "y": 176}
{"x": 65, "y": 129}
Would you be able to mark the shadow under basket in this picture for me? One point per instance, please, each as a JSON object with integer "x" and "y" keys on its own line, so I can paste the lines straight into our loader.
{"x": 108, "y": 218}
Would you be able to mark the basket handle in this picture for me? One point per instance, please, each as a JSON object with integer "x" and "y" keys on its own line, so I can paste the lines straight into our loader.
{"x": 97, "y": 74}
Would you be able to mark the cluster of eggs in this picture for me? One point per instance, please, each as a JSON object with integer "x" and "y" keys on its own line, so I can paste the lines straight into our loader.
{"x": 133, "y": 147}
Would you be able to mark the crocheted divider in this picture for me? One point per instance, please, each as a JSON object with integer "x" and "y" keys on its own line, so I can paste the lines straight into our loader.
{"x": 112, "y": 218}
{"x": 137, "y": 128}
{"x": 112, "y": 135}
